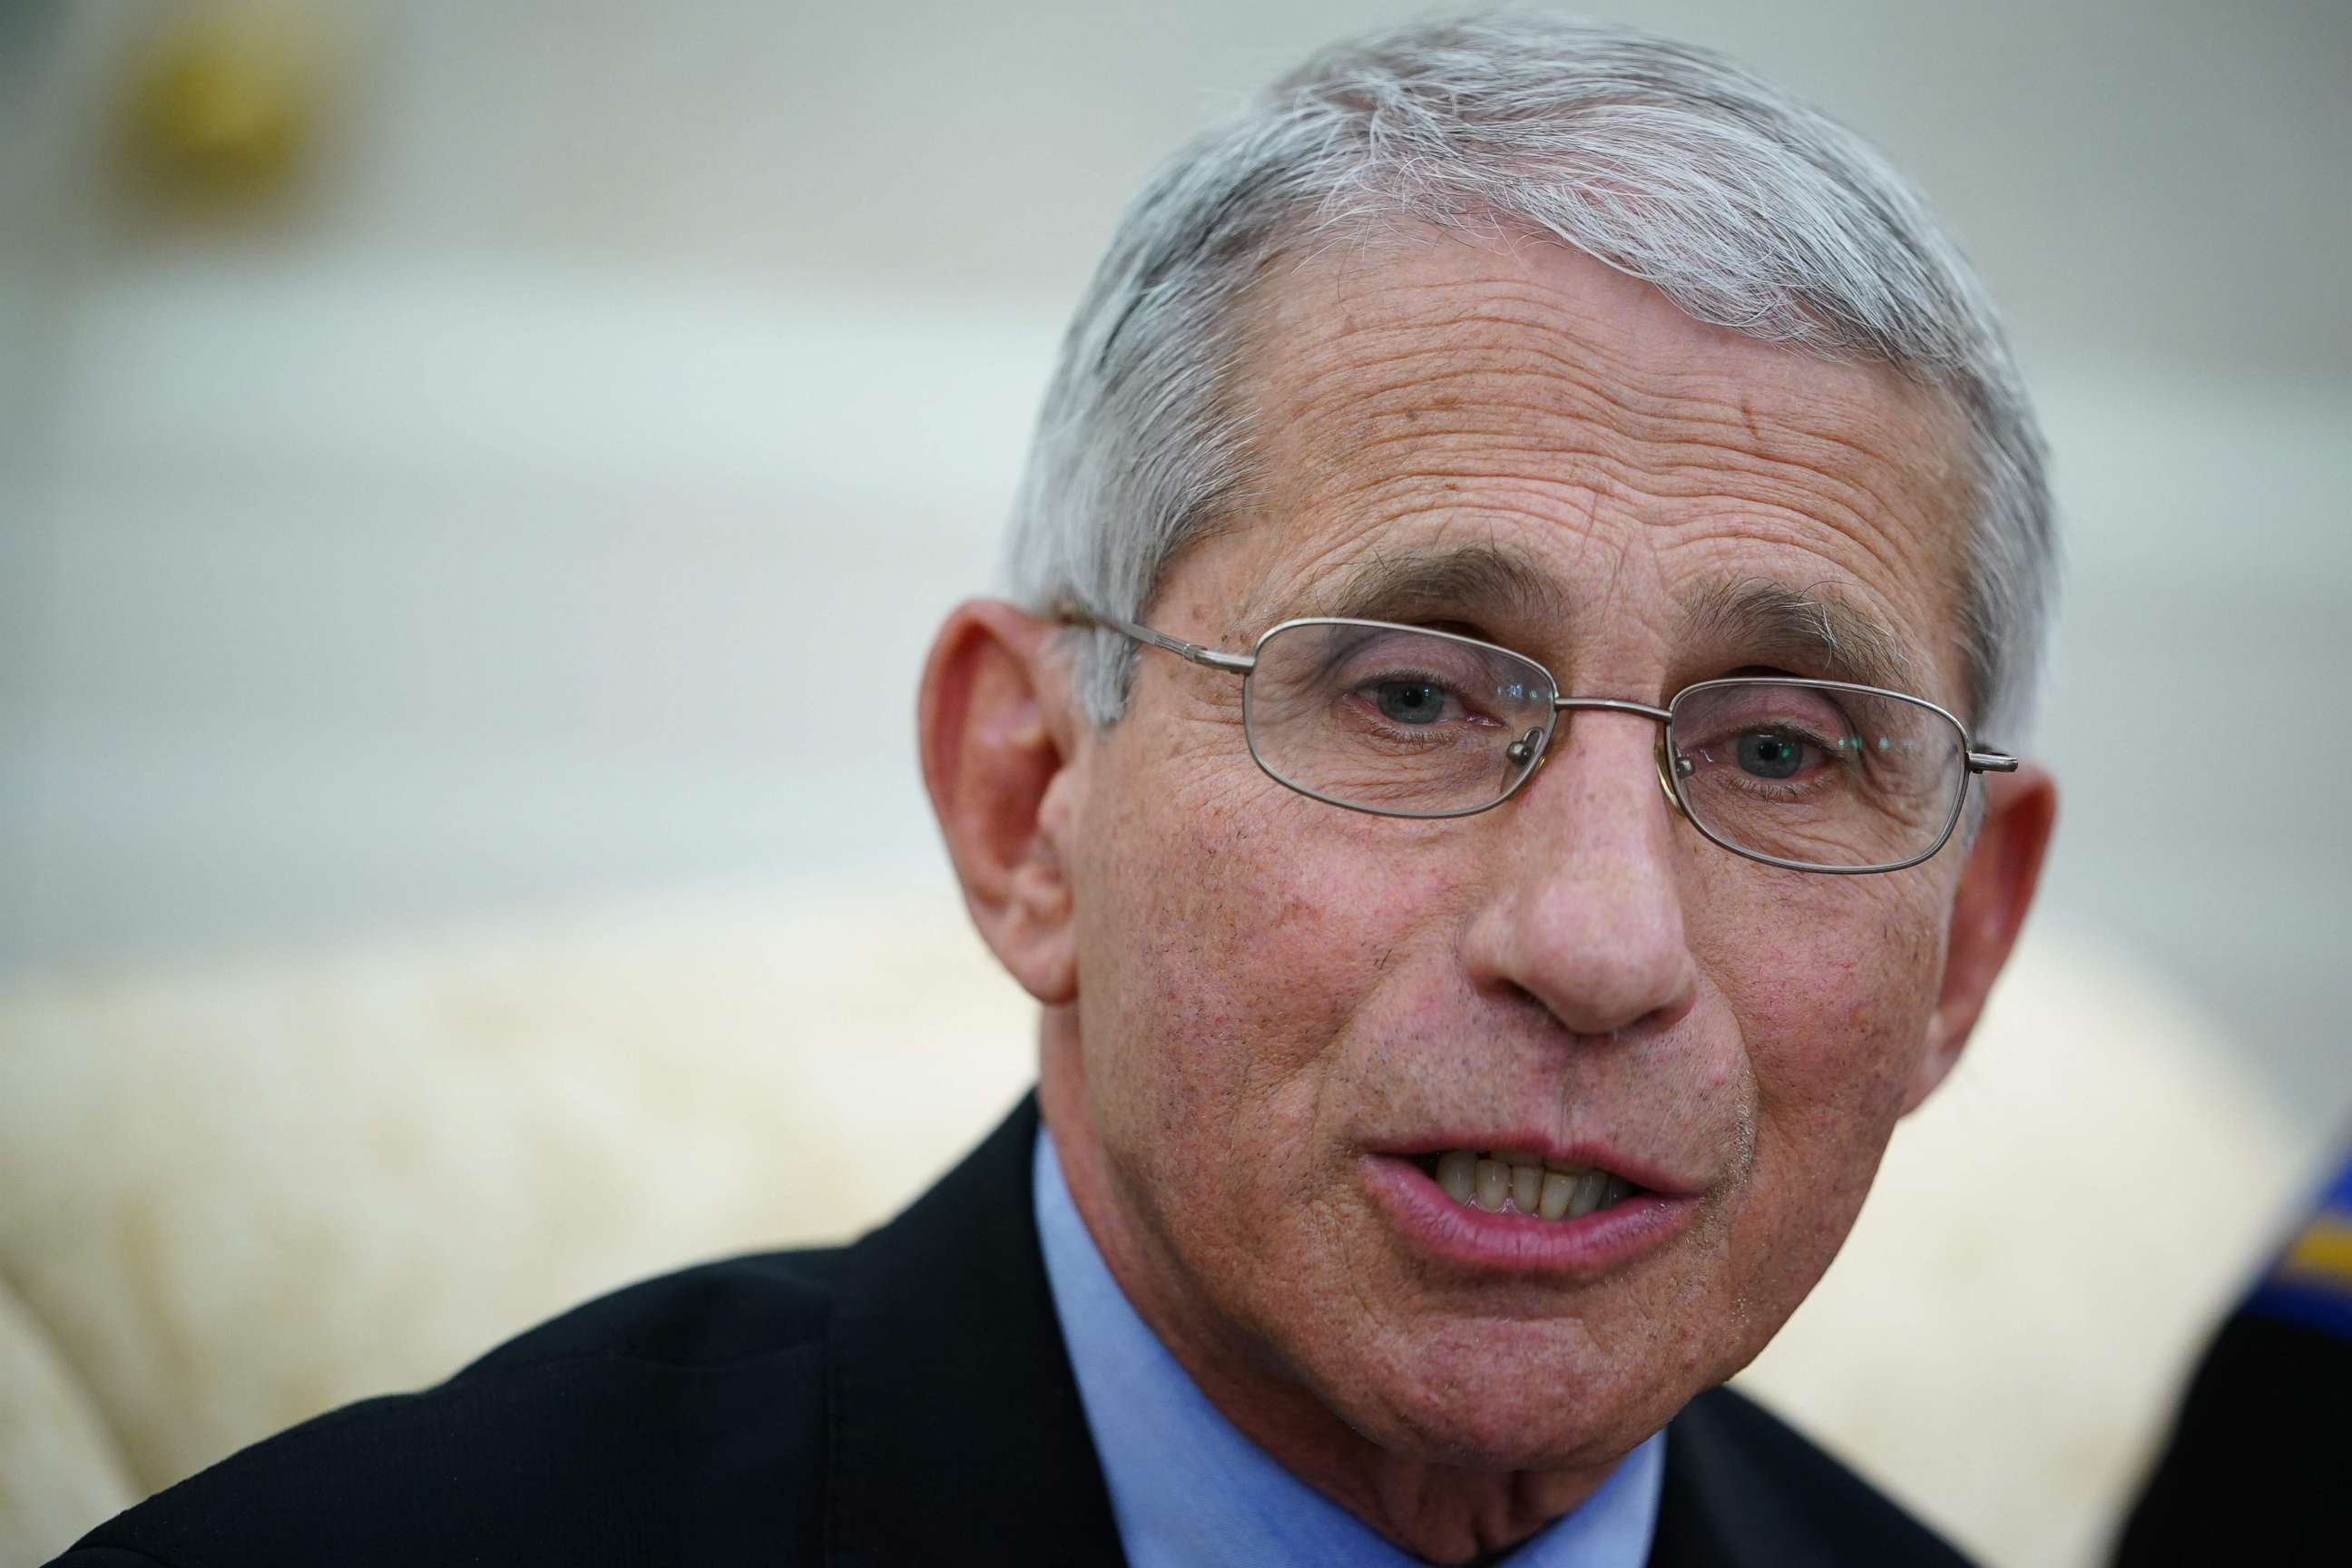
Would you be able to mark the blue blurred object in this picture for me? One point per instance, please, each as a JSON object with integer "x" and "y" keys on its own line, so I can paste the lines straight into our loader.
{"x": 2312, "y": 1281}
{"x": 2260, "y": 1466}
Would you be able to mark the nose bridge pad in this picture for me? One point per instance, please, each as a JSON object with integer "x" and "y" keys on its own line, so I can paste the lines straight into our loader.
{"x": 1666, "y": 763}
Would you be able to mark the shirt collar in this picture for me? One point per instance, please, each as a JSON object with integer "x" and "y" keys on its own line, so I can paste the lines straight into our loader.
{"x": 1188, "y": 1487}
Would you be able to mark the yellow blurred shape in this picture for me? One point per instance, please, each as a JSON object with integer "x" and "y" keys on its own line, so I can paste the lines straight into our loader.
{"x": 2323, "y": 1252}
{"x": 222, "y": 103}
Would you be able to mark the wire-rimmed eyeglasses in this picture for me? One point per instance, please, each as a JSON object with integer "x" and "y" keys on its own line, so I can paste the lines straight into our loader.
{"x": 1398, "y": 720}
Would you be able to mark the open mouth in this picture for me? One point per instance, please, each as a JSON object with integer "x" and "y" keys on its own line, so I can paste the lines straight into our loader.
{"x": 1502, "y": 1181}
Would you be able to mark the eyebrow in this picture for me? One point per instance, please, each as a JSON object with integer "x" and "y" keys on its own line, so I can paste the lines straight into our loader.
{"x": 1757, "y": 620}
{"x": 1462, "y": 579}
{"x": 1810, "y": 629}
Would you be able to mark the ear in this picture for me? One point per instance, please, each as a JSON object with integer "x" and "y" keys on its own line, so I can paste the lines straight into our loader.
{"x": 998, "y": 733}
{"x": 1987, "y": 910}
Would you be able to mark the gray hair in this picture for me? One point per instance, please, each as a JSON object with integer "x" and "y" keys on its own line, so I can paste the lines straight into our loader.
{"x": 1750, "y": 210}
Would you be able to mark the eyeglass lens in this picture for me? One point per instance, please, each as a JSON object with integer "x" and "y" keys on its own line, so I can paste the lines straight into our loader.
{"x": 1392, "y": 720}
{"x": 1418, "y": 723}
{"x": 1817, "y": 776}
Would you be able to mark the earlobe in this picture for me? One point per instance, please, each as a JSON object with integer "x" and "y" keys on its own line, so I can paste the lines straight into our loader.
{"x": 1989, "y": 910}
{"x": 998, "y": 739}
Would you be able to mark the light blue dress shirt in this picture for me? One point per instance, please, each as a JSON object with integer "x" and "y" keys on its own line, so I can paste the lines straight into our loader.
{"x": 1188, "y": 1489}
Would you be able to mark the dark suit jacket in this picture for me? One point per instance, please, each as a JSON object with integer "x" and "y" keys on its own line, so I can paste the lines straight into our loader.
{"x": 905, "y": 1399}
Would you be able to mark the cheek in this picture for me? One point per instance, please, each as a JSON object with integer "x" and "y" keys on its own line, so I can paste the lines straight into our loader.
{"x": 1833, "y": 981}
{"x": 1230, "y": 933}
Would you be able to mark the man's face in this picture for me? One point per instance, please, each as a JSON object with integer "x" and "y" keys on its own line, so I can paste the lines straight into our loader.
{"x": 1285, "y": 1010}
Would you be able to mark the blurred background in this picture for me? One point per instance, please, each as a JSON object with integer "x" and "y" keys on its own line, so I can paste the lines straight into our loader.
{"x": 477, "y": 482}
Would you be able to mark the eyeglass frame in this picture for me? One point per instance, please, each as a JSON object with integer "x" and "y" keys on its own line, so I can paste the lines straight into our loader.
{"x": 1244, "y": 665}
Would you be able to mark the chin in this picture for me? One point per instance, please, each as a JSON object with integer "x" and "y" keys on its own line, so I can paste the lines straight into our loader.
{"x": 1476, "y": 1399}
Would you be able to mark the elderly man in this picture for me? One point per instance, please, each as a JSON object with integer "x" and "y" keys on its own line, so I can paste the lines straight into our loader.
{"x": 1529, "y": 537}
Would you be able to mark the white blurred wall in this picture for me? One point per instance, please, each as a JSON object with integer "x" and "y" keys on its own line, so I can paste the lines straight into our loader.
{"x": 555, "y": 504}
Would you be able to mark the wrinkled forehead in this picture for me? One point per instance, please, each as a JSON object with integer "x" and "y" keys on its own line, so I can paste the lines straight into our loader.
{"x": 1517, "y": 435}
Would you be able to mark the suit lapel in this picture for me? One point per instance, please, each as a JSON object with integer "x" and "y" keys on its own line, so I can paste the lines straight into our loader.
{"x": 1717, "y": 1508}
{"x": 956, "y": 1434}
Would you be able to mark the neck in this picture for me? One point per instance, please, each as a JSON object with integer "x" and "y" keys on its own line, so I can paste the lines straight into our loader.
{"x": 1442, "y": 1513}
{"x": 1439, "y": 1513}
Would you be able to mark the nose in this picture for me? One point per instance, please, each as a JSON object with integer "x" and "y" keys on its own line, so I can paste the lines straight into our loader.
{"x": 1584, "y": 913}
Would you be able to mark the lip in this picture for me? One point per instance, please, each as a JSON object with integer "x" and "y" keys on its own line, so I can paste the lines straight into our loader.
{"x": 1484, "y": 1242}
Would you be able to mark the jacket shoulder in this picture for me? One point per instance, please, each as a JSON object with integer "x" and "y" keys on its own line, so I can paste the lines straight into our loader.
{"x": 665, "y": 1420}
{"x": 1742, "y": 1486}
{"x": 706, "y": 1315}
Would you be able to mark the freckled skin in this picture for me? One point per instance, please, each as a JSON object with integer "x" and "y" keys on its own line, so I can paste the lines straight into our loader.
{"x": 1267, "y": 985}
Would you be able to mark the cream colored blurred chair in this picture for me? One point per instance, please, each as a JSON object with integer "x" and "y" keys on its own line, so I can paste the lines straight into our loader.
{"x": 234, "y": 1194}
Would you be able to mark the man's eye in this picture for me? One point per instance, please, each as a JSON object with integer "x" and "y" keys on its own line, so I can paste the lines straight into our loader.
{"x": 1770, "y": 754}
{"x": 1411, "y": 701}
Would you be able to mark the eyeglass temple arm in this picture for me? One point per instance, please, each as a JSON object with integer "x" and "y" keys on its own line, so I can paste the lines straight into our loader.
{"x": 1236, "y": 663}
{"x": 1992, "y": 762}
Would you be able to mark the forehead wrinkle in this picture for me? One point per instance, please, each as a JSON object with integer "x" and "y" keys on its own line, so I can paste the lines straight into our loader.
{"x": 1898, "y": 514}
{"x": 1314, "y": 315}
{"x": 1793, "y": 504}
{"x": 1345, "y": 301}
{"x": 1560, "y": 409}
{"x": 1505, "y": 380}
{"x": 1437, "y": 394}
{"x": 1618, "y": 375}
{"x": 1304, "y": 335}
{"x": 1682, "y": 454}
